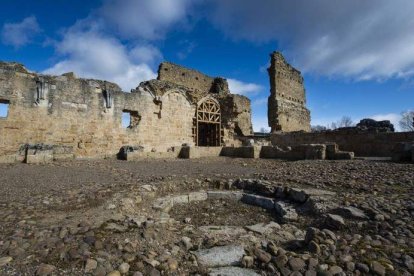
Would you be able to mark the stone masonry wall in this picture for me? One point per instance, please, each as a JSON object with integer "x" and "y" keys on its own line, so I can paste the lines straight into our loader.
{"x": 362, "y": 144}
{"x": 73, "y": 112}
{"x": 191, "y": 79}
{"x": 86, "y": 114}
{"x": 287, "y": 101}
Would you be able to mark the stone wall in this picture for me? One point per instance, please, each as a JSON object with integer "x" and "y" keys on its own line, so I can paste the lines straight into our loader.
{"x": 191, "y": 79}
{"x": 362, "y": 144}
{"x": 86, "y": 114}
{"x": 287, "y": 101}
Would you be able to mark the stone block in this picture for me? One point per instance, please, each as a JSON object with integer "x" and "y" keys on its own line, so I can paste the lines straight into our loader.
{"x": 220, "y": 256}
{"x": 164, "y": 204}
{"x": 39, "y": 158}
{"x": 343, "y": 155}
{"x": 224, "y": 195}
{"x": 197, "y": 196}
{"x": 297, "y": 195}
{"x": 285, "y": 211}
{"x": 256, "y": 200}
{"x": 180, "y": 199}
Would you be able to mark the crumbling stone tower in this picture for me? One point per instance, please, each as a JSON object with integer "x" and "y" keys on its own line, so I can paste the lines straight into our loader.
{"x": 287, "y": 110}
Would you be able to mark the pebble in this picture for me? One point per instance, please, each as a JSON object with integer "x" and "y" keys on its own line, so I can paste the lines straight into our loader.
{"x": 124, "y": 268}
{"x": 90, "y": 265}
{"x": 114, "y": 273}
{"x": 5, "y": 260}
{"x": 262, "y": 255}
{"x": 45, "y": 270}
{"x": 377, "y": 268}
{"x": 296, "y": 264}
{"x": 247, "y": 261}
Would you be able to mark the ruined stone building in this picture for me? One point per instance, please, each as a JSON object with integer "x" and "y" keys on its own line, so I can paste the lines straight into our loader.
{"x": 83, "y": 117}
{"x": 287, "y": 110}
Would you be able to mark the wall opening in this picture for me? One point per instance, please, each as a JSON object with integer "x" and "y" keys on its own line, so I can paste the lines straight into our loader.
{"x": 130, "y": 119}
{"x": 4, "y": 108}
{"x": 208, "y": 124}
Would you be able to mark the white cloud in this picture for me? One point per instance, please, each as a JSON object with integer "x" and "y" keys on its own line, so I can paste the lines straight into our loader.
{"x": 20, "y": 34}
{"x": 91, "y": 54}
{"x": 147, "y": 19}
{"x": 243, "y": 88}
{"x": 260, "y": 102}
{"x": 353, "y": 39}
{"x": 394, "y": 118}
{"x": 259, "y": 123}
{"x": 145, "y": 54}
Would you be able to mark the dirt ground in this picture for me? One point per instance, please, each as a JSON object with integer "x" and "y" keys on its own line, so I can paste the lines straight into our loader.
{"x": 75, "y": 218}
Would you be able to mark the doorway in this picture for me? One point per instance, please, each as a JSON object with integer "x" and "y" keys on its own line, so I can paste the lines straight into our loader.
{"x": 208, "y": 124}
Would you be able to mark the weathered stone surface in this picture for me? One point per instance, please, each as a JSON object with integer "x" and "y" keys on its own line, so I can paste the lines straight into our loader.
{"x": 334, "y": 221}
{"x": 163, "y": 204}
{"x": 5, "y": 260}
{"x": 263, "y": 228}
{"x": 45, "y": 270}
{"x": 197, "y": 196}
{"x": 220, "y": 256}
{"x": 285, "y": 211}
{"x": 352, "y": 213}
{"x": 261, "y": 201}
{"x": 225, "y": 195}
{"x": 180, "y": 199}
{"x": 232, "y": 271}
{"x": 287, "y": 101}
{"x": 298, "y": 195}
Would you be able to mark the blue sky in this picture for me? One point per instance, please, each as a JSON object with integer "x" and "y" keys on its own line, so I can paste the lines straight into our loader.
{"x": 357, "y": 57}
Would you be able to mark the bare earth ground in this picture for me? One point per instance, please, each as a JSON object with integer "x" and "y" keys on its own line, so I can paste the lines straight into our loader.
{"x": 96, "y": 217}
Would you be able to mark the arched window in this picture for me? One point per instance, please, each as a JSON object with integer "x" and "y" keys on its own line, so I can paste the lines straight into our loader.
{"x": 208, "y": 123}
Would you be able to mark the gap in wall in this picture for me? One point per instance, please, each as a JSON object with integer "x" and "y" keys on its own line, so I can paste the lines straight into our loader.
{"x": 4, "y": 108}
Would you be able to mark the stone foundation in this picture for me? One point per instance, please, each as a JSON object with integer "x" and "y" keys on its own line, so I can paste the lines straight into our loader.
{"x": 361, "y": 143}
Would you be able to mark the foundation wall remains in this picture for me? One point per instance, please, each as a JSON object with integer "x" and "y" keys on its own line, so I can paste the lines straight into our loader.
{"x": 362, "y": 144}
{"x": 287, "y": 110}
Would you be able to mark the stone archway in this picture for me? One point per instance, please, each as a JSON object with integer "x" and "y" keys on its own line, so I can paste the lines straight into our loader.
{"x": 208, "y": 125}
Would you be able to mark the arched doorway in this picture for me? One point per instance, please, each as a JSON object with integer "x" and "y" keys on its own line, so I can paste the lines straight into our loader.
{"x": 208, "y": 124}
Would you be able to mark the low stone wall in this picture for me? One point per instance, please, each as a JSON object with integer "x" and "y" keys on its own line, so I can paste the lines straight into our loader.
{"x": 362, "y": 144}
{"x": 197, "y": 152}
{"x": 241, "y": 152}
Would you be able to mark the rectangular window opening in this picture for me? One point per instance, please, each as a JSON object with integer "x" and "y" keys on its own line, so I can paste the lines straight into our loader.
{"x": 4, "y": 108}
{"x": 130, "y": 119}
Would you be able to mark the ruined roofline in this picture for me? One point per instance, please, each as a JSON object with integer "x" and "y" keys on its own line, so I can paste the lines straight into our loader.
{"x": 20, "y": 68}
{"x": 185, "y": 68}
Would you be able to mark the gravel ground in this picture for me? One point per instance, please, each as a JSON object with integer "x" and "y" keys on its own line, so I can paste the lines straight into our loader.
{"x": 96, "y": 217}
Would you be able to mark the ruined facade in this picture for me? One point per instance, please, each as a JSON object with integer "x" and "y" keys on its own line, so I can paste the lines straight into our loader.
{"x": 287, "y": 110}
{"x": 83, "y": 117}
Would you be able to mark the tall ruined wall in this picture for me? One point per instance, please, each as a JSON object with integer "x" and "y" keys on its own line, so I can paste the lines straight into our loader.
{"x": 287, "y": 110}
{"x": 236, "y": 110}
{"x": 361, "y": 143}
{"x": 74, "y": 112}
{"x": 192, "y": 79}
{"x": 236, "y": 117}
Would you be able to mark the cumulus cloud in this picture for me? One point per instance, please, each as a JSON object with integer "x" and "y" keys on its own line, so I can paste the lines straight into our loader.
{"x": 91, "y": 54}
{"x": 353, "y": 39}
{"x": 21, "y": 33}
{"x": 148, "y": 19}
{"x": 243, "y": 88}
{"x": 394, "y": 118}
